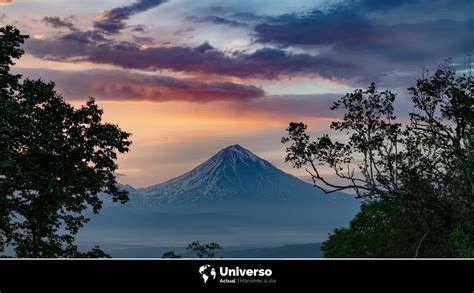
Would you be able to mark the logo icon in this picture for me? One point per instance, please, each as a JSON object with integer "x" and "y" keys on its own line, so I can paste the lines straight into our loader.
{"x": 207, "y": 272}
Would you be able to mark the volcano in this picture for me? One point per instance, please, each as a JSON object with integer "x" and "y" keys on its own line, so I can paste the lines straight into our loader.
{"x": 233, "y": 198}
{"x": 234, "y": 174}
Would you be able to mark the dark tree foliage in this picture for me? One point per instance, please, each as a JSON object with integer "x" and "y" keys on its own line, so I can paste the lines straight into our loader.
{"x": 170, "y": 254}
{"x": 54, "y": 161}
{"x": 95, "y": 252}
{"x": 367, "y": 162}
{"x": 205, "y": 250}
{"x": 417, "y": 180}
{"x": 393, "y": 228}
{"x": 10, "y": 42}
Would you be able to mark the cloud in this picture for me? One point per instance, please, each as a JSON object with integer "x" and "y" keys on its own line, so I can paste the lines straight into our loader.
{"x": 237, "y": 98}
{"x": 349, "y": 32}
{"x": 57, "y": 22}
{"x": 139, "y": 29}
{"x": 87, "y": 38}
{"x": 352, "y": 42}
{"x": 382, "y": 48}
{"x": 112, "y": 21}
{"x": 121, "y": 86}
{"x": 317, "y": 28}
{"x": 98, "y": 45}
{"x": 6, "y": 2}
{"x": 405, "y": 5}
{"x": 216, "y": 20}
{"x": 266, "y": 63}
{"x": 377, "y": 5}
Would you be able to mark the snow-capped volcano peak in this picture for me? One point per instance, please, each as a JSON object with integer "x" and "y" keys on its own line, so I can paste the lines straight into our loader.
{"x": 234, "y": 173}
{"x": 235, "y": 153}
{"x": 236, "y": 148}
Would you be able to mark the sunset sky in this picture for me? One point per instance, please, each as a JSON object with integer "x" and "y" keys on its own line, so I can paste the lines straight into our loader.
{"x": 189, "y": 77}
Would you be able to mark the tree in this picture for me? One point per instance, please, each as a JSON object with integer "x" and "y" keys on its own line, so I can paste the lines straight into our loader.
{"x": 416, "y": 180}
{"x": 170, "y": 254}
{"x": 205, "y": 250}
{"x": 95, "y": 252}
{"x": 54, "y": 161}
{"x": 10, "y": 42}
{"x": 392, "y": 228}
{"x": 367, "y": 163}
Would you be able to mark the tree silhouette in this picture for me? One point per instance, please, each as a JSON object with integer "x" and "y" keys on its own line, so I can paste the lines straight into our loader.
{"x": 170, "y": 254}
{"x": 205, "y": 250}
{"x": 368, "y": 161}
{"x": 417, "y": 180}
{"x": 95, "y": 252}
{"x": 54, "y": 161}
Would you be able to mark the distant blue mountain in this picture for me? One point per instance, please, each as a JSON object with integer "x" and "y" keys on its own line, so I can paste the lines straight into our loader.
{"x": 233, "y": 198}
{"x": 307, "y": 250}
{"x": 310, "y": 250}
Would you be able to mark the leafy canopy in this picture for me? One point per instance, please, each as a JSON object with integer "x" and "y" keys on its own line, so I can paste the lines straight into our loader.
{"x": 55, "y": 160}
{"x": 416, "y": 180}
{"x": 209, "y": 250}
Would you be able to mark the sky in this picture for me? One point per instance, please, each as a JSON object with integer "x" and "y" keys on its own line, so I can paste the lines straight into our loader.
{"x": 188, "y": 78}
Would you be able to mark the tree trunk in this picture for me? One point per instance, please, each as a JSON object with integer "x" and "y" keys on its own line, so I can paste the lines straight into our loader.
{"x": 420, "y": 243}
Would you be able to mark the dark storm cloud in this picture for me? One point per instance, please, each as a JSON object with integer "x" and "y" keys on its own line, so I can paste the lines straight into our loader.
{"x": 381, "y": 5}
{"x": 267, "y": 63}
{"x": 384, "y": 49}
{"x": 121, "y": 86}
{"x": 316, "y": 28}
{"x": 384, "y": 5}
{"x": 57, "y": 22}
{"x": 350, "y": 33}
{"x": 113, "y": 20}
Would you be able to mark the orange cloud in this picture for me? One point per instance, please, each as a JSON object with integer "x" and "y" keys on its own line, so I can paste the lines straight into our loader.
{"x": 6, "y": 2}
{"x": 121, "y": 86}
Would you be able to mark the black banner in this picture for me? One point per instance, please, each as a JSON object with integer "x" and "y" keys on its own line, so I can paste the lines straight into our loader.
{"x": 241, "y": 274}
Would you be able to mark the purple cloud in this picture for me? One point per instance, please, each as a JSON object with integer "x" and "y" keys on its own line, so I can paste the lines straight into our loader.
{"x": 57, "y": 22}
{"x": 267, "y": 63}
{"x": 113, "y": 20}
{"x": 353, "y": 43}
{"x": 348, "y": 32}
{"x": 389, "y": 52}
{"x": 317, "y": 28}
{"x": 121, "y": 86}
{"x": 216, "y": 20}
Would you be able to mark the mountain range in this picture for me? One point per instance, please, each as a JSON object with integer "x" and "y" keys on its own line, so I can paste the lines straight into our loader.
{"x": 233, "y": 198}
